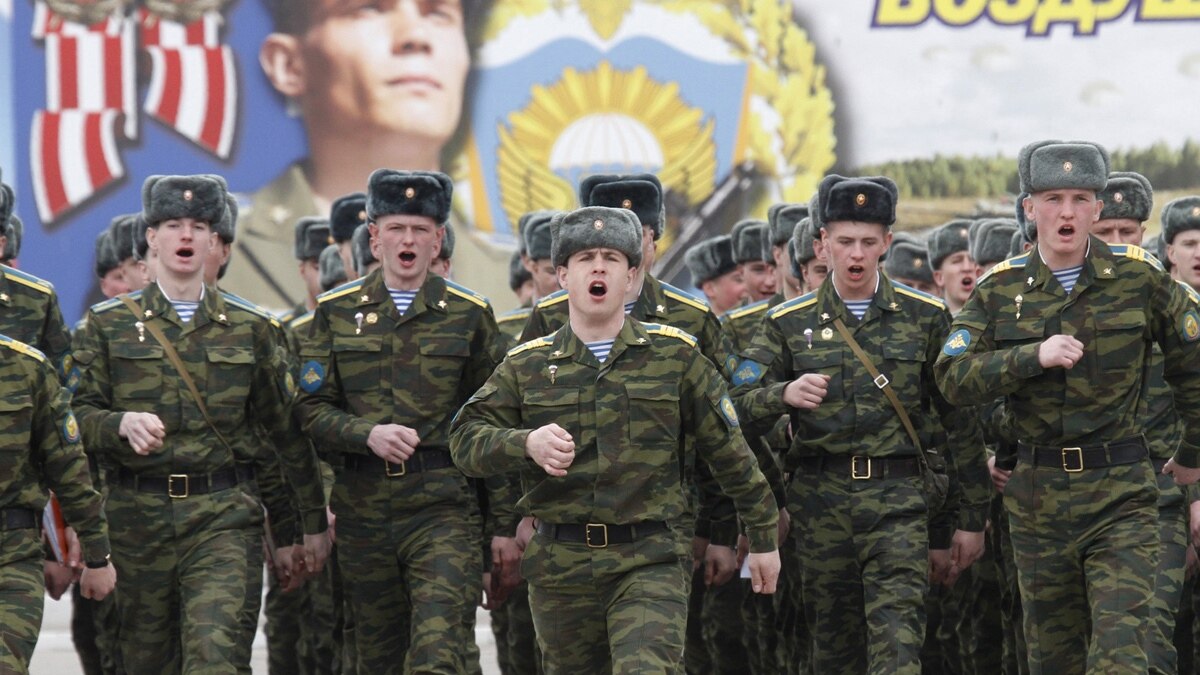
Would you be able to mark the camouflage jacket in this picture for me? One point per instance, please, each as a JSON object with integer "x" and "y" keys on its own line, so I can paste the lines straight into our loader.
{"x": 663, "y": 303}
{"x": 629, "y": 418}
{"x": 1122, "y": 303}
{"x": 901, "y": 332}
{"x": 232, "y": 351}
{"x": 40, "y": 448}
{"x": 363, "y": 364}
{"x": 29, "y": 313}
{"x": 739, "y": 325}
{"x": 511, "y": 324}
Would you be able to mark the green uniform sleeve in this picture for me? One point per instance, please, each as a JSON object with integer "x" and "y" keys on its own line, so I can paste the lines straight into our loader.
{"x": 760, "y": 378}
{"x": 1175, "y": 322}
{"x": 486, "y": 438}
{"x": 100, "y": 426}
{"x": 322, "y": 408}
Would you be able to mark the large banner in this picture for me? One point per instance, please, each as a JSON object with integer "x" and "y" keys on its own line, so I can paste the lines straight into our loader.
{"x": 730, "y": 102}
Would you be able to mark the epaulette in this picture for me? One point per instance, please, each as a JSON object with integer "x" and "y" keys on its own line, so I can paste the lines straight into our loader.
{"x": 785, "y": 308}
{"x": 339, "y": 291}
{"x": 466, "y": 293}
{"x": 114, "y": 302}
{"x": 26, "y": 279}
{"x": 752, "y": 308}
{"x": 1191, "y": 292}
{"x": 1136, "y": 253}
{"x": 670, "y": 331}
{"x": 532, "y": 344}
{"x": 242, "y": 303}
{"x": 518, "y": 314}
{"x": 287, "y": 317}
{"x": 911, "y": 292}
{"x": 22, "y": 348}
{"x": 1015, "y": 262}
{"x": 301, "y": 320}
{"x": 684, "y": 297}
{"x": 552, "y": 299}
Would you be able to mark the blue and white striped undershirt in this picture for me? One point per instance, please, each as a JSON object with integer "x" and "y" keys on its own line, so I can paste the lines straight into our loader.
{"x": 600, "y": 349}
{"x": 629, "y": 306}
{"x": 403, "y": 299}
{"x": 858, "y": 307}
{"x": 1067, "y": 277}
{"x": 185, "y": 309}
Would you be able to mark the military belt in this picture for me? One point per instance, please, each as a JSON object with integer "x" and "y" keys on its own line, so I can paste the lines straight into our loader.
{"x": 17, "y": 519}
{"x": 421, "y": 460}
{"x": 183, "y": 485}
{"x": 599, "y": 535}
{"x": 859, "y": 467}
{"x": 1077, "y": 458}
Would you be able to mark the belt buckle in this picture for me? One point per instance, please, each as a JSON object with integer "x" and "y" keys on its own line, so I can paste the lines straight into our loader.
{"x": 881, "y": 381}
{"x": 187, "y": 486}
{"x": 1066, "y": 453}
{"x": 387, "y": 469}
{"x": 854, "y": 473}
{"x": 587, "y": 535}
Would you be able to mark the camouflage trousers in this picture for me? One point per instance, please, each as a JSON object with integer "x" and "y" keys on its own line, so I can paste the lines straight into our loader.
{"x": 1014, "y": 659}
{"x": 22, "y": 597}
{"x": 723, "y": 628}
{"x": 1086, "y": 550}
{"x": 696, "y": 659}
{"x": 793, "y": 642}
{"x": 412, "y": 583}
{"x": 186, "y": 570}
{"x": 618, "y": 610}
{"x": 863, "y": 551}
{"x": 1168, "y": 582}
{"x": 93, "y": 630}
{"x": 516, "y": 641}
{"x": 304, "y": 627}
{"x": 978, "y": 616}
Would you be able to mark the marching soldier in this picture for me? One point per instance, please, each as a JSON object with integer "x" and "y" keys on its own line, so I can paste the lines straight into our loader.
{"x": 758, "y": 270}
{"x": 950, "y": 257}
{"x": 908, "y": 263}
{"x": 716, "y": 273}
{"x": 610, "y": 596}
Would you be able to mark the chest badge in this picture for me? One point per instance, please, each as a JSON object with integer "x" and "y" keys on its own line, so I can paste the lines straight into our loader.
{"x": 827, "y": 333}
{"x": 1018, "y": 300}
{"x": 141, "y": 329}
{"x": 553, "y": 373}
{"x": 358, "y": 319}
{"x": 372, "y": 318}
{"x": 808, "y": 337}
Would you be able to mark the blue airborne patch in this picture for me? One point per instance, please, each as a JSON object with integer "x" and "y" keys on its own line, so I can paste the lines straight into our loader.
{"x": 312, "y": 375}
{"x": 957, "y": 343}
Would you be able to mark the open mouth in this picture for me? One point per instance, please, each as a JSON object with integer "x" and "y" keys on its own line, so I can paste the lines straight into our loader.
{"x": 856, "y": 271}
{"x": 185, "y": 252}
{"x": 598, "y": 289}
{"x": 968, "y": 283}
{"x": 408, "y": 257}
{"x": 1066, "y": 231}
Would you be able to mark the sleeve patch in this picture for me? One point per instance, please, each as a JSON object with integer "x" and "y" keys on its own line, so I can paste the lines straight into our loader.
{"x": 1191, "y": 326}
{"x": 747, "y": 373}
{"x": 957, "y": 343}
{"x": 312, "y": 375}
{"x": 73, "y": 379}
{"x": 70, "y": 428}
{"x": 728, "y": 411}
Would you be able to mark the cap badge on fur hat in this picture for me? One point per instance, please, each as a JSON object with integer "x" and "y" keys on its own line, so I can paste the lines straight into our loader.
{"x": 626, "y": 203}
{"x": 861, "y": 199}
{"x": 409, "y": 193}
{"x": 599, "y": 224}
{"x": 362, "y": 215}
{"x": 1067, "y": 166}
{"x": 1118, "y": 197}
{"x": 1196, "y": 211}
{"x": 187, "y": 195}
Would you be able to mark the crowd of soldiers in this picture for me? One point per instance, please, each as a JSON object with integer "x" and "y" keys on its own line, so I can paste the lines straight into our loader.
{"x": 866, "y": 452}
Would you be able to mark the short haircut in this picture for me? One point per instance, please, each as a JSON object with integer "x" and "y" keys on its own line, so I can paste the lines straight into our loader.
{"x": 295, "y": 16}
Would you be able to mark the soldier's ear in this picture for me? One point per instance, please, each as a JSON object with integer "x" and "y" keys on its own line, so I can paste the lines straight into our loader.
{"x": 282, "y": 62}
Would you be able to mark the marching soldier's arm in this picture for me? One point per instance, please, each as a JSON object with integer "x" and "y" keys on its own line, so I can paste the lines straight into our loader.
{"x": 970, "y": 370}
{"x": 278, "y": 497}
{"x": 1175, "y": 323}
{"x": 500, "y": 493}
{"x": 321, "y": 404}
{"x": 99, "y": 424}
{"x": 56, "y": 441}
{"x": 965, "y": 441}
{"x": 758, "y": 388}
{"x": 486, "y": 438}
{"x": 272, "y": 395}
{"x": 56, "y": 338}
{"x": 709, "y": 417}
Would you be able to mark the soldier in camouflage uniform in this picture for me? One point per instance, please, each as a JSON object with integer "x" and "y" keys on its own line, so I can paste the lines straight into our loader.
{"x": 856, "y": 496}
{"x": 41, "y": 449}
{"x": 1127, "y": 200}
{"x": 780, "y": 231}
{"x": 758, "y": 273}
{"x": 386, "y": 362}
{"x": 534, "y": 250}
{"x": 908, "y": 262}
{"x": 182, "y": 508}
{"x": 607, "y": 568}
{"x": 715, "y": 272}
{"x": 1065, "y": 335}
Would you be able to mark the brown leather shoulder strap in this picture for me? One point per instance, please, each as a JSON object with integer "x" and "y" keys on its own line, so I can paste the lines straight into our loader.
{"x": 173, "y": 357}
{"x": 883, "y": 383}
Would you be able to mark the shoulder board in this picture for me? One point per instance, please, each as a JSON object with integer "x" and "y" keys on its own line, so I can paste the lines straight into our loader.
{"x": 919, "y": 295}
{"x": 301, "y": 320}
{"x": 1016, "y": 262}
{"x": 113, "y": 302}
{"x": 26, "y": 279}
{"x": 466, "y": 293}
{"x": 532, "y": 344}
{"x": 1191, "y": 292}
{"x": 785, "y": 308}
{"x": 518, "y": 314}
{"x": 752, "y": 308}
{"x": 552, "y": 299}
{"x": 22, "y": 348}
{"x": 288, "y": 317}
{"x": 250, "y": 307}
{"x": 344, "y": 289}
{"x": 1136, "y": 253}
{"x": 684, "y": 297}
{"x": 670, "y": 331}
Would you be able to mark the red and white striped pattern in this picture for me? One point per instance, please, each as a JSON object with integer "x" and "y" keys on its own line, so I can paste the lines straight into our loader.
{"x": 193, "y": 79}
{"x": 93, "y": 71}
{"x": 73, "y": 155}
{"x": 46, "y": 22}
